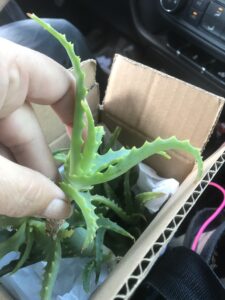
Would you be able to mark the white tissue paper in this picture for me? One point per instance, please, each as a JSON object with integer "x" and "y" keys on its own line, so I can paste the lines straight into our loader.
{"x": 148, "y": 180}
{"x": 26, "y": 283}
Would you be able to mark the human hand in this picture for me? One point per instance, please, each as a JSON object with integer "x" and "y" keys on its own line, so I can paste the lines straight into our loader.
{"x": 27, "y": 169}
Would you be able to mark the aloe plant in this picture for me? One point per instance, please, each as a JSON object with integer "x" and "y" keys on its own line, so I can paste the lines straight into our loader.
{"x": 85, "y": 167}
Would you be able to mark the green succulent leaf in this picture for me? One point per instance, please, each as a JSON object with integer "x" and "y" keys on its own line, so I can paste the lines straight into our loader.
{"x": 88, "y": 271}
{"x": 99, "y": 244}
{"x": 61, "y": 155}
{"x": 25, "y": 255}
{"x": 114, "y": 207}
{"x": 8, "y": 268}
{"x": 93, "y": 141}
{"x": 73, "y": 246}
{"x": 110, "y": 225}
{"x": 51, "y": 270}
{"x": 110, "y": 193}
{"x": 11, "y": 223}
{"x": 78, "y": 122}
{"x": 127, "y": 192}
{"x": 83, "y": 200}
{"x": 148, "y": 196}
{"x": 115, "y": 163}
{"x": 14, "y": 242}
{"x": 112, "y": 140}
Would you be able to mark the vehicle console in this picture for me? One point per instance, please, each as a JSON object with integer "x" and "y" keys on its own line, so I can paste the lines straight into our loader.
{"x": 190, "y": 34}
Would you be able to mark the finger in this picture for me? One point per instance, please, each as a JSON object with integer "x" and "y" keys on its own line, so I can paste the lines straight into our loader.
{"x": 31, "y": 75}
{"x": 21, "y": 134}
{"x": 5, "y": 152}
{"x": 63, "y": 98}
{"x": 25, "y": 192}
{"x": 49, "y": 83}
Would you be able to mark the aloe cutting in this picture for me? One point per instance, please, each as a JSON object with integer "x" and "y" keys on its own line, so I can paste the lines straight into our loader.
{"x": 87, "y": 170}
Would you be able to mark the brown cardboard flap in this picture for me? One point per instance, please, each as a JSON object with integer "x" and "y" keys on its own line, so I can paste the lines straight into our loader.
{"x": 93, "y": 100}
{"x": 147, "y": 103}
{"x": 89, "y": 68}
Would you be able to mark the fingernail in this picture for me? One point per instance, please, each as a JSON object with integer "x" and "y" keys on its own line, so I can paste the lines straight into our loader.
{"x": 57, "y": 209}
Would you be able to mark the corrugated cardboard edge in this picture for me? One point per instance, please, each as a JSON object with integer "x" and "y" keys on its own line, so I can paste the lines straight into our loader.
{"x": 136, "y": 264}
{"x": 152, "y": 111}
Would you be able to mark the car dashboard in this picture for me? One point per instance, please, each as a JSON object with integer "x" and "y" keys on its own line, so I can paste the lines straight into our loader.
{"x": 184, "y": 38}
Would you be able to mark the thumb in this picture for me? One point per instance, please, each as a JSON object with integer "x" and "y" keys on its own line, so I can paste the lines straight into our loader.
{"x": 25, "y": 192}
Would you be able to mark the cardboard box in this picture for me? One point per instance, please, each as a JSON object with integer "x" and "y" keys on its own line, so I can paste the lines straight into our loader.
{"x": 136, "y": 264}
{"x": 146, "y": 104}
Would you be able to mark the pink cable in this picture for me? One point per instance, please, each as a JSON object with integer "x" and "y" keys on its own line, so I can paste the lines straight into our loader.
{"x": 211, "y": 218}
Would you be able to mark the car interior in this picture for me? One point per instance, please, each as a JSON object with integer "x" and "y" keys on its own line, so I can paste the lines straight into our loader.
{"x": 183, "y": 38}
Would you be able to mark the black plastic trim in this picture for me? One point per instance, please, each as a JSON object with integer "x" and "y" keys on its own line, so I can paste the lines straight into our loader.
{"x": 204, "y": 39}
{"x": 157, "y": 44}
